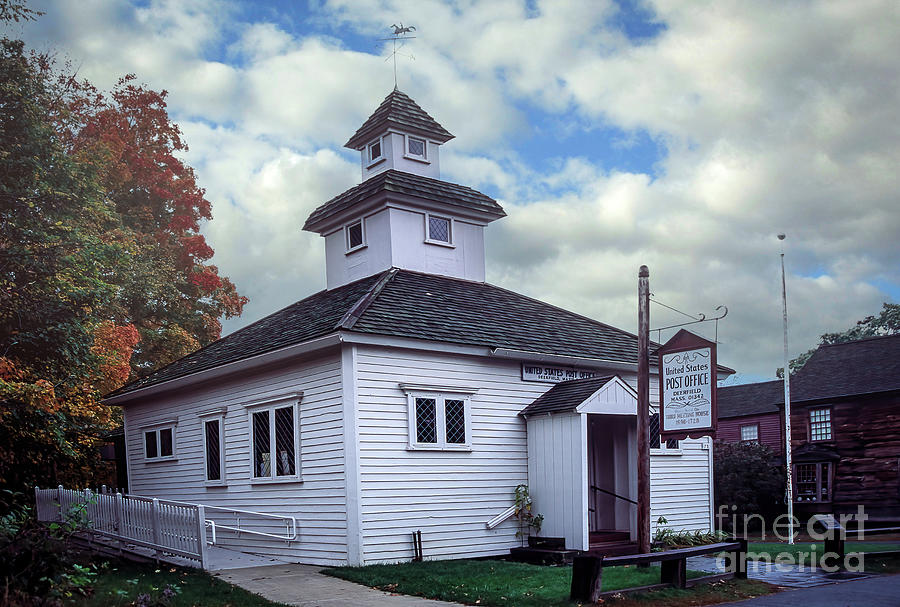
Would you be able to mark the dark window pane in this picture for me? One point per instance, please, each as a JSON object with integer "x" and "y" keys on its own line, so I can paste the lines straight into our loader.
{"x": 165, "y": 442}
{"x": 416, "y": 147}
{"x": 672, "y": 444}
{"x": 654, "y": 431}
{"x": 150, "y": 444}
{"x": 455, "y": 417}
{"x": 261, "y": 459}
{"x": 375, "y": 151}
{"x": 426, "y": 420}
{"x": 354, "y": 235}
{"x": 439, "y": 228}
{"x": 284, "y": 441}
{"x": 213, "y": 463}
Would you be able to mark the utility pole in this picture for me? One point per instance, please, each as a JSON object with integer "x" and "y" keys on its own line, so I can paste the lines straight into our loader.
{"x": 643, "y": 411}
{"x": 787, "y": 400}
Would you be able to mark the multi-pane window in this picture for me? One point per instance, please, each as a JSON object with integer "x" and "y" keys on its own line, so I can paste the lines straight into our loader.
{"x": 655, "y": 441}
{"x": 813, "y": 482}
{"x": 355, "y": 237}
{"x": 275, "y": 442}
{"x": 159, "y": 443}
{"x": 375, "y": 151}
{"x": 415, "y": 147}
{"x": 820, "y": 424}
{"x": 439, "y": 421}
{"x": 213, "y": 447}
{"x": 440, "y": 229}
{"x": 750, "y": 432}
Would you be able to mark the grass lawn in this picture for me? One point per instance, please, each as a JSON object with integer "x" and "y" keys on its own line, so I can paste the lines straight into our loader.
{"x": 776, "y": 548}
{"x": 197, "y": 587}
{"x": 508, "y": 584}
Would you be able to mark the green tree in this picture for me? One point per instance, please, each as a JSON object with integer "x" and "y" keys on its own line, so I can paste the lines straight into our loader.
{"x": 52, "y": 280}
{"x": 104, "y": 274}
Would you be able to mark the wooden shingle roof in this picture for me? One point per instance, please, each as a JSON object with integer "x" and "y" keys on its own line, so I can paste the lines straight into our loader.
{"x": 865, "y": 366}
{"x": 399, "y": 111}
{"x": 750, "y": 399}
{"x": 853, "y": 368}
{"x": 410, "y": 184}
{"x": 403, "y": 303}
{"x": 566, "y": 395}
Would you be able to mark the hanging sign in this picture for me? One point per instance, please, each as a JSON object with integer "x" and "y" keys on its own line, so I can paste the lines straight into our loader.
{"x": 552, "y": 374}
{"x": 687, "y": 387}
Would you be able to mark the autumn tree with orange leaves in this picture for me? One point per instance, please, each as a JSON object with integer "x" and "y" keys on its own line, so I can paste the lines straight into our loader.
{"x": 104, "y": 274}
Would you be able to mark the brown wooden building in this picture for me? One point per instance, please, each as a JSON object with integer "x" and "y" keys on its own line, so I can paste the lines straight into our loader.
{"x": 752, "y": 413}
{"x": 845, "y": 426}
{"x": 845, "y": 429}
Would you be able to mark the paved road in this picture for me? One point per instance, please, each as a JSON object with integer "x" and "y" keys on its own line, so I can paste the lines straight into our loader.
{"x": 304, "y": 586}
{"x": 877, "y": 591}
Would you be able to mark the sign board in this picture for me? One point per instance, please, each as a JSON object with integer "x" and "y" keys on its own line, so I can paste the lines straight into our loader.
{"x": 552, "y": 374}
{"x": 687, "y": 387}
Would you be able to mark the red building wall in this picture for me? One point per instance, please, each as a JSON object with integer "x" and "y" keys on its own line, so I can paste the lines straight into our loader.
{"x": 770, "y": 429}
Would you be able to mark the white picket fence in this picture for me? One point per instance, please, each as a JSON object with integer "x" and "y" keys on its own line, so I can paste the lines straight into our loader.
{"x": 163, "y": 526}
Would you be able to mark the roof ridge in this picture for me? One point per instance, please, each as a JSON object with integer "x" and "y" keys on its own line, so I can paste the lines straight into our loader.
{"x": 861, "y": 339}
{"x": 359, "y": 308}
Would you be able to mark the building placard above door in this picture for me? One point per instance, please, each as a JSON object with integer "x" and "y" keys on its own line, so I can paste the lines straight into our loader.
{"x": 687, "y": 387}
{"x": 553, "y": 374}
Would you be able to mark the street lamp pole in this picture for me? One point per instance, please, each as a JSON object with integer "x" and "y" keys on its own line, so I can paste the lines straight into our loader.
{"x": 787, "y": 401}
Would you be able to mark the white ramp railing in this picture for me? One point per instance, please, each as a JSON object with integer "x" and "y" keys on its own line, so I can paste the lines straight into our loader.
{"x": 164, "y": 526}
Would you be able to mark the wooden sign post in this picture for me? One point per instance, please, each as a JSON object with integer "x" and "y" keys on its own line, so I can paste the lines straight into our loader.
{"x": 643, "y": 411}
{"x": 687, "y": 387}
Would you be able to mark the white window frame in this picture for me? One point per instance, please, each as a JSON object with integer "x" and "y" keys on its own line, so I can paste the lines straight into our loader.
{"x": 216, "y": 416}
{"x": 370, "y": 161}
{"x": 362, "y": 224}
{"x": 156, "y": 429}
{"x": 440, "y": 394}
{"x": 270, "y": 405}
{"x": 409, "y": 155}
{"x": 442, "y": 243}
{"x": 812, "y": 423}
{"x": 755, "y": 427}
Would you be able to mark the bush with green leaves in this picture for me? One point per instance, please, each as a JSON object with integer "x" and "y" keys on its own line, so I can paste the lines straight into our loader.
{"x": 37, "y": 567}
{"x": 749, "y": 480}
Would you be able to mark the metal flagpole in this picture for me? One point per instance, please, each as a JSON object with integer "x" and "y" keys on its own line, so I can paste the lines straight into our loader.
{"x": 787, "y": 401}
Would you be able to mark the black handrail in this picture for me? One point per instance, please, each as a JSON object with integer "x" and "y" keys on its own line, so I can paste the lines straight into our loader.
{"x": 621, "y": 497}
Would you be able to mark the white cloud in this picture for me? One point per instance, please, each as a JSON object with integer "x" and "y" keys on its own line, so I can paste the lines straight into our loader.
{"x": 776, "y": 117}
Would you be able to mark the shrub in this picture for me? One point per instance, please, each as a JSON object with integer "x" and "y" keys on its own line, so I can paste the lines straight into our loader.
{"x": 750, "y": 477}
{"x": 37, "y": 568}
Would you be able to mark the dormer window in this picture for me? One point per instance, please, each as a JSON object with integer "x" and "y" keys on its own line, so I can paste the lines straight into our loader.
{"x": 439, "y": 230}
{"x": 375, "y": 152}
{"x": 355, "y": 235}
{"x": 416, "y": 148}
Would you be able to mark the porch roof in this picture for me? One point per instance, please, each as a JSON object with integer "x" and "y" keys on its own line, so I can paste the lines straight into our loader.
{"x": 566, "y": 395}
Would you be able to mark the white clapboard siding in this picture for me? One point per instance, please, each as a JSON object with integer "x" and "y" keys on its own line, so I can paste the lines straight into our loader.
{"x": 447, "y": 495}
{"x": 681, "y": 487}
{"x": 558, "y": 476}
{"x": 318, "y": 502}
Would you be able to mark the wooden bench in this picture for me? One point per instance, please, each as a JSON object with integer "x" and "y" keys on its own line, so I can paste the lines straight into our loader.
{"x": 587, "y": 568}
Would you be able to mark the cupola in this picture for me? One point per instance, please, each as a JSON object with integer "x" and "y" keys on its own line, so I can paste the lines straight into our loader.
{"x": 402, "y": 215}
{"x": 400, "y": 135}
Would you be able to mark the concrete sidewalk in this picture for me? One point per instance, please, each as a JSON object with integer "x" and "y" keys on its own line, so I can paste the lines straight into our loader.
{"x": 876, "y": 591}
{"x": 304, "y": 586}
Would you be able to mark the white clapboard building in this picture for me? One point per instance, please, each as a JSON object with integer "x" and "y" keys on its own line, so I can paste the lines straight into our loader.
{"x": 410, "y": 394}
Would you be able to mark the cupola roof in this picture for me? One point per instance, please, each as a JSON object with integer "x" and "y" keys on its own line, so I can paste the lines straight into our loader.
{"x": 409, "y": 184}
{"x": 398, "y": 111}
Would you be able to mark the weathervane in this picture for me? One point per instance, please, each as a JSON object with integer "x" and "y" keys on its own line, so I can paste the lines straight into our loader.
{"x": 400, "y": 33}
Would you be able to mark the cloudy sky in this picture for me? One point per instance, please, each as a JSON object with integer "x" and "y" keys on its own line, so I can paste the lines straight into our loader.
{"x": 681, "y": 135}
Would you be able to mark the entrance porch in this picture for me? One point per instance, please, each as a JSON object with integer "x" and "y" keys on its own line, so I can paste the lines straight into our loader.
{"x": 582, "y": 463}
